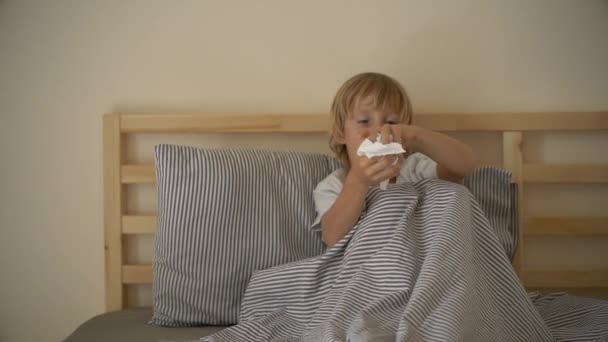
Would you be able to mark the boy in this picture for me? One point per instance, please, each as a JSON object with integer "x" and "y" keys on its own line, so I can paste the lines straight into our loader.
{"x": 368, "y": 105}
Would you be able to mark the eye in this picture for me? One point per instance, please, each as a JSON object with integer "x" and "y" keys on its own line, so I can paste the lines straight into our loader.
{"x": 392, "y": 120}
{"x": 363, "y": 121}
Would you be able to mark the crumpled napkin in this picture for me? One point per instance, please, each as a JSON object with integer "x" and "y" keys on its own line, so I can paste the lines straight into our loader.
{"x": 372, "y": 149}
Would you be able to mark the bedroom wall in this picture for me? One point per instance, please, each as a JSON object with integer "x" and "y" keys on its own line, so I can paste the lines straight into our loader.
{"x": 63, "y": 63}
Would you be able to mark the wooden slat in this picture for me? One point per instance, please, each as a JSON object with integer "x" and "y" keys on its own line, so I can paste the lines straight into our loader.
{"x": 138, "y": 174}
{"x": 113, "y": 209}
{"x": 198, "y": 123}
{"x": 545, "y": 121}
{"x": 565, "y": 278}
{"x": 547, "y": 173}
{"x": 566, "y": 226}
{"x": 137, "y": 274}
{"x": 319, "y": 122}
{"x": 512, "y": 144}
{"x": 532, "y": 173}
{"x": 133, "y": 224}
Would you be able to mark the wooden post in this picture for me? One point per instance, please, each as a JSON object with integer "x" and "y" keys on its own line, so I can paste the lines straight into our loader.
{"x": 113, "y": 210}
{"x": 512, "y": 144}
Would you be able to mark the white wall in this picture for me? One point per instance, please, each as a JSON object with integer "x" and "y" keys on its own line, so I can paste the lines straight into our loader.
{"x": 64, "y": 63}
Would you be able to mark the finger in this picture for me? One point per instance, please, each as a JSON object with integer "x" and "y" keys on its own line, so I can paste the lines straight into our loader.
{"x": 400, "y": 160}
{"x": 383, "y": 175}
{"x": 365, "y": 162}
{"x": 380, "y": 165}
{"x": 386, "y": 134}
{"x": 396, "y": 132}
{"x": 406, "y": 136}
{"x": 397, "y": 166}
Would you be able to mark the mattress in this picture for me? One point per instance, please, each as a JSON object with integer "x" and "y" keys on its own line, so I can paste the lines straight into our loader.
{"x": 132, "y": 325}
{"x": 569, "y": 318}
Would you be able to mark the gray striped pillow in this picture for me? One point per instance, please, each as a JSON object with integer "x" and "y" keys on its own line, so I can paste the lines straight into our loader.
{"x": 497, "y": 196}
{"x": 223, "y": 214}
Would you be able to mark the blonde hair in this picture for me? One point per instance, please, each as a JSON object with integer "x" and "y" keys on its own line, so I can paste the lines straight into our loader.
{"x": 385, "y": 92}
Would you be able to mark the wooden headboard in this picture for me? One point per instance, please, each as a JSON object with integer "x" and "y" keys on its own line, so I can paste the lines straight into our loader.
{"x": 119, "y": 223}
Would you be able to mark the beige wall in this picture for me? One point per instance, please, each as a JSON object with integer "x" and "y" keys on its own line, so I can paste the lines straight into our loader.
{"x": 63, "y": 63}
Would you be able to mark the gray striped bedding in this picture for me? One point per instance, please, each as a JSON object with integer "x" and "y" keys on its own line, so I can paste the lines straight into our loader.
{"x": 572, "y": 318}
{"x": 207, "y": 248}
{"x": 497, "y": 197}
{"x": 424, "y": 264}
{"x": 224, "y": 213}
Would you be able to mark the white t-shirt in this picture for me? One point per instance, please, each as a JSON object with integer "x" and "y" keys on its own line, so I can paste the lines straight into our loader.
{"x": 415, "y": 168}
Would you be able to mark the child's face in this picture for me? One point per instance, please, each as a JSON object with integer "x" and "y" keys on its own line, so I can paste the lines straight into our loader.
{"x": 365, "y": 121}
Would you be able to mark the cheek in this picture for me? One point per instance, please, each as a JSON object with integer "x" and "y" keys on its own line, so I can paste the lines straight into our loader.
{"x": 355, "y": 141}
{"x": 358, "y": 133}
{"x": 355, "y": 133}
{"x": 363, "y": 135}
{"x": 354, "y": 136}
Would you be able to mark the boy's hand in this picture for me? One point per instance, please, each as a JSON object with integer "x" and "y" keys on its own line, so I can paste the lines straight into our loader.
{"x": 406, "y": 135}
{"x": 369, "y": 172}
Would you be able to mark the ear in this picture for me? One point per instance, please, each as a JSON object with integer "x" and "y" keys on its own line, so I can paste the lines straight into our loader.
{"x": 338, "y": 136}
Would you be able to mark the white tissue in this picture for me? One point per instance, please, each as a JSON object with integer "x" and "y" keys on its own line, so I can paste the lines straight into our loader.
{"x": 377, "y": 149}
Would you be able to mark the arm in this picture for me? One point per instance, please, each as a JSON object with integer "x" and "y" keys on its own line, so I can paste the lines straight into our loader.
{"x": 455, "y": 159}
{"x": 344, "y": 213}
{"x": 346, "y": 210}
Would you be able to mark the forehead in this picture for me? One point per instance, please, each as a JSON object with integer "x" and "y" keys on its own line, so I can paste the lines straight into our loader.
{"x": 370, "y": 102}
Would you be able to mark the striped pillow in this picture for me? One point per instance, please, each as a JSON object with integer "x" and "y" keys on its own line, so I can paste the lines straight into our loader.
{"x": 223, "y": 214}
{"x": 497, "y": 196}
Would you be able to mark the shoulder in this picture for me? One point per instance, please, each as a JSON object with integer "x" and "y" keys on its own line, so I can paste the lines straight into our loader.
{"x": 331, "y": 183}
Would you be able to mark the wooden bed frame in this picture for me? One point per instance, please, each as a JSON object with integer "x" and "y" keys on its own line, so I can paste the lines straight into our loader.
{"x": 513, "y": 126}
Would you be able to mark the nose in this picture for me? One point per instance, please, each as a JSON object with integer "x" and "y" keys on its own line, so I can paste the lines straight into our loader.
{"x": 374, "y": 130}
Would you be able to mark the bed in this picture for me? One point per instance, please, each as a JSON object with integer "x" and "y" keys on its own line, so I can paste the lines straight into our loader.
{"x": 122, "y": 322}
